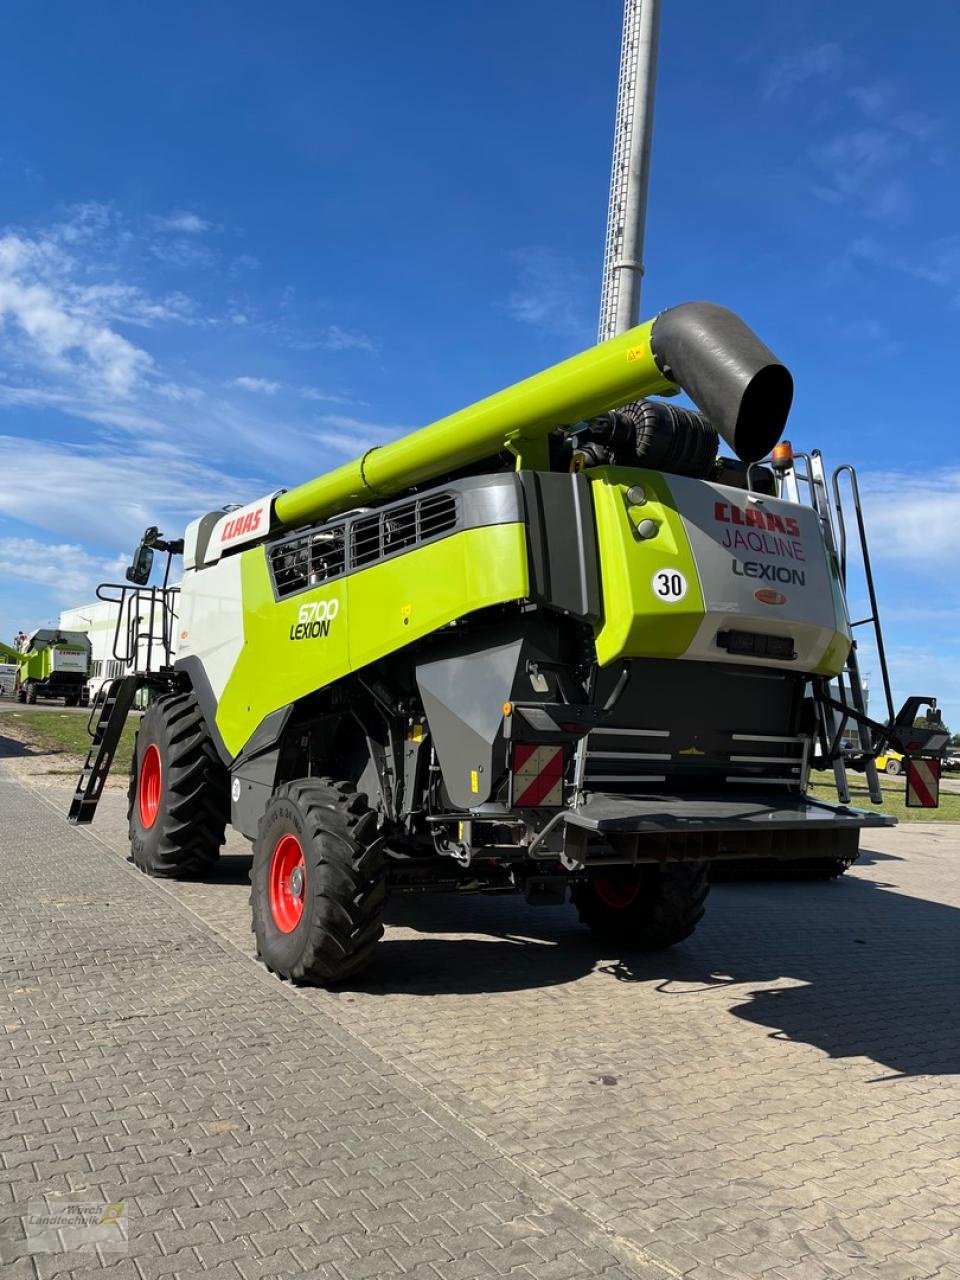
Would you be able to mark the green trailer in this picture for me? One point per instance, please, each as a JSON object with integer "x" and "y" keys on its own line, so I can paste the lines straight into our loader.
{"x": 559, "y": 643}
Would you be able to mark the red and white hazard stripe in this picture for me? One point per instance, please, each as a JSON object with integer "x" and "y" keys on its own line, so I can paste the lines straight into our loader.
{"x": 537, "y": 776}
{"x": 923, "y": 784}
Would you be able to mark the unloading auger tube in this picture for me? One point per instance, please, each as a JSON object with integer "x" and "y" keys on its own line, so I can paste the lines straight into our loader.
{"x": 698, "y": 347}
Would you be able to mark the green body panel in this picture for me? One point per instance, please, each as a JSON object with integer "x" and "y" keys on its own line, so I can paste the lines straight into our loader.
{"x": 519, "y": 417}
{"x": 635, "y": 622}
{"x": 378, "y": 611}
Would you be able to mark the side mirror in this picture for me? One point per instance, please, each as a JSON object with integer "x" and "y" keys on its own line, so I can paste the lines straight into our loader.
{"x": 139, "y": 571}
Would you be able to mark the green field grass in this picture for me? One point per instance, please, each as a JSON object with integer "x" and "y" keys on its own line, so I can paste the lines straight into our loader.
{"x": 61, "y": 734}
{"x": 894, "y": 797}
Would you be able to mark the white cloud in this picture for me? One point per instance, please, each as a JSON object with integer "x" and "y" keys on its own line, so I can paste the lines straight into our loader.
{"x": 352, "y": 435}
{"x": 183, "y": 222}
{"x": 794, "y": 69}
{"x": 59, "y": 335}
{"x": 861, "y": 166}
{"x": 914, "y": 519}
{"x": 182, "y": 253}
{"x": 262, "y": 385}
{"x": 335, "y": 338}
{"x": 108, "y": 497}
{"x": 550, "y": 293}
{"x": 68, "y": 570}
{"x": 243, "y": 263}
{"x": 312, "y": 393}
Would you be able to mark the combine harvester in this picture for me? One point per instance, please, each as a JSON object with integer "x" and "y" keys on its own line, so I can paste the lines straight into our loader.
{"x": 53, "y": 664}
{"x": 550, "y": 644}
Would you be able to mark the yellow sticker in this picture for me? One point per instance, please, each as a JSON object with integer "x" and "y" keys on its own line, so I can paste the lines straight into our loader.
{"x": 406, "y": 610}
{"x": 635, "y": 353}
{"x": 475, "y": 782}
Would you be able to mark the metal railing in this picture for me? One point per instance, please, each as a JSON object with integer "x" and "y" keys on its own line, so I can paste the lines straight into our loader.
{"x": 145, "y": 629}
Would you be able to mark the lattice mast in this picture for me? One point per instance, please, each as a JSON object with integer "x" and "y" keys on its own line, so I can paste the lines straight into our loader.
{"x": 629, "y": 178}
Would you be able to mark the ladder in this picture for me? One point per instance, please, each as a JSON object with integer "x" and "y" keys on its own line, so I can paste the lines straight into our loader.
{"x": 827, "y": 500}
{"x": 113, "y": 704}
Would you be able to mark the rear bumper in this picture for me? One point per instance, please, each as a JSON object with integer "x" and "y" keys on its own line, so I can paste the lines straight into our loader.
{"x": 617, "y": 829}
{"x": 606, "y": 814}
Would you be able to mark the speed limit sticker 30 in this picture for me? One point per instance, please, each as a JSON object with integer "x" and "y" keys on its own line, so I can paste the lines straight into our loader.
{"x": 669, "y": 585}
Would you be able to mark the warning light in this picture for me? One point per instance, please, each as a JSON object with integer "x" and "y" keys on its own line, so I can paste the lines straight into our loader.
{"x": 781, "y": 457}
{"x": 507, "y": 708}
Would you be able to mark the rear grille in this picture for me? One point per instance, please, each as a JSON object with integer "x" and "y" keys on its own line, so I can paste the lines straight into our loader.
{"x": 310, "y": 559}
{"x": 635, "y": 760}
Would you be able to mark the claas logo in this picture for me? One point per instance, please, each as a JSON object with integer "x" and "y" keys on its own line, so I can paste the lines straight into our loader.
{"x": 754, "y": 518}
{"x": 242, "y": 524}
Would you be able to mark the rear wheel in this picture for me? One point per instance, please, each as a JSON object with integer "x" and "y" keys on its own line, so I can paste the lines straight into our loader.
{"x": 31, "y": 694}
{"x": 178, "y": 797}
{"x": 646, "y": 908}
{"x": 318, "y": 882}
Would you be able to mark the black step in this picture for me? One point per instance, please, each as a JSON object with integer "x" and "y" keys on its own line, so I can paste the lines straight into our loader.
{"x": 114, "y": 702}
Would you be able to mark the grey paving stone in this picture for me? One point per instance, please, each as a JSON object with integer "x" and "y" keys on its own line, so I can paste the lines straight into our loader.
{"x": 787, "y": 1089}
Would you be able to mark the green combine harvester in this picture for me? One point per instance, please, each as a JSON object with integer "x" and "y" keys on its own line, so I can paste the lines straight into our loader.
{"x": 53, "y": 664}
{"x": 555, "y": 643}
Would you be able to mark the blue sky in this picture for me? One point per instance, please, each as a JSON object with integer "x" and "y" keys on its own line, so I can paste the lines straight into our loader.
{"x": 240, "y": 242}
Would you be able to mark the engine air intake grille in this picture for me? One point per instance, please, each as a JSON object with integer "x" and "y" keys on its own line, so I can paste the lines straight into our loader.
{"x": 399, "y": 528}
{"x": 310, "y": 559}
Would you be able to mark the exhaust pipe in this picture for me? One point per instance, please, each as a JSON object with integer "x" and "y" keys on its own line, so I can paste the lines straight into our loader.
{"x": 727, "y": 372}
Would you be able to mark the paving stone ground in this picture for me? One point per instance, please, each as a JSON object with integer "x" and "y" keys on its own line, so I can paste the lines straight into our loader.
{"x": 778, "y": 1097}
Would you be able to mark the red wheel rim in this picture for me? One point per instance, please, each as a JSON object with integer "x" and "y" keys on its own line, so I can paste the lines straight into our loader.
{"x": 616, "y": 894}
{"x": 288, "y": 882}
{"x": 148, "y": 791}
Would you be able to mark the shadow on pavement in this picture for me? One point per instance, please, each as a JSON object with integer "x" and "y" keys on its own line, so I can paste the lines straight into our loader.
{"x": 11, "y": 749}
{"x": 876, "y": 972}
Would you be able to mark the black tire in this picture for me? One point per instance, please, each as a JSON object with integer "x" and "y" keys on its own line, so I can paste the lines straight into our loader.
{"x": 645, "y": 908}
{"x": 333, "y": 933}
{"x": 21, "y": 694}
{"x": 71, "y": 700}
{"x": 189, "y": 822}
{"x": 893, "y": 767}
{"x": 31, "y": 695}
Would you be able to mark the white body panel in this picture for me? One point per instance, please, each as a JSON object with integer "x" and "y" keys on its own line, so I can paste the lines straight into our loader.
{"x": 211, "y": 620}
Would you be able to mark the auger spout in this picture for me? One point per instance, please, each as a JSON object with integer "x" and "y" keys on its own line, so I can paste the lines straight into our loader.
{"x": 698, "y": 347}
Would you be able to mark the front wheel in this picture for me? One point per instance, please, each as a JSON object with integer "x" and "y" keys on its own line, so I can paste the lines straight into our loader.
{"x": 178, "y": 800}
{"x": 318, "y": 882}
{"x": 645, "y": 908}
{"x": 31, "y": 695}
{"x": 893, "y": 767}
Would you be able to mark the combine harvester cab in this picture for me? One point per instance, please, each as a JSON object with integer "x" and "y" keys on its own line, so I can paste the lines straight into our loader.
{"x": 554, "y": 643}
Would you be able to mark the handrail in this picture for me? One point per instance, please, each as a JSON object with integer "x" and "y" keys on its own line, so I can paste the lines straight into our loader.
{"x": 874, "y": 617}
